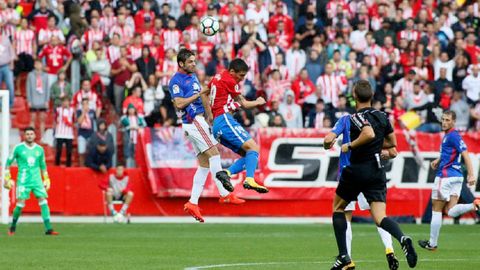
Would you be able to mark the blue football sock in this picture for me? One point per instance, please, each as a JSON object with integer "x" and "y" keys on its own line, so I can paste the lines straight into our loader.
{"x": 237, "y": 166}
{"x": 251, "y": 162}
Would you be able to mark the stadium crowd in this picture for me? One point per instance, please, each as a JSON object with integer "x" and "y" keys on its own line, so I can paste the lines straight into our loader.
{"x": 419, "y": 55}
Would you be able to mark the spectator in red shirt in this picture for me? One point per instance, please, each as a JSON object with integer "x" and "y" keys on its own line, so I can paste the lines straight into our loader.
{"x": 136, "y": 97}
{"x": 279, "y": 16}
{"x": 302, "y": 87}
{"x": 398, "y": 111}
{"x": 39, "y": 17}
{"x": 142, "y": 16}
{"x": 122, "y": 70}
{"x": 58, "y": 59}
{"x": 472, "y": 48}
{"x": 204, "y": 50}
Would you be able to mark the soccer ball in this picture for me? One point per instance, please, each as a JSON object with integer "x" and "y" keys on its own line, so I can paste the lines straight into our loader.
{"x": 209, "y": 26}
{"x": 118, "y": 218}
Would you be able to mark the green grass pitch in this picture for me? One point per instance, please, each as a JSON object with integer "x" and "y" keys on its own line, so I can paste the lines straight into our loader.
{"x": 220, "y": 246}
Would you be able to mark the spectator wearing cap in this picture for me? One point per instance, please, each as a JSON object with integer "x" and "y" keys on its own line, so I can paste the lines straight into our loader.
{"x": 142, "y": 15}
{"x": 101, "y": 134}
{"x": 471, "y": 85}
{"x": 99, "y": 158}
{"x": 460, "y": 107}
{"x": 131, "y": 123}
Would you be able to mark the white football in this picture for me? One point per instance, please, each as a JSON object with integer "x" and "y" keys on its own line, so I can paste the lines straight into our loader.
{"x": 118, "y": 218}
{"x": 209, "y": 26}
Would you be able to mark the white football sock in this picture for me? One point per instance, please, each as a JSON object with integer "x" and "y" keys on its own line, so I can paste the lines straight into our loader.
{"x": 349, "y": 238}
{"x": 435, "y": 226}
{"x": 199, "y": 180}
{"x": 386, "y": 238}
{"x": 124, "y": 208}
{"x": 460, "y": 209}
{"x": 216, "y": 166}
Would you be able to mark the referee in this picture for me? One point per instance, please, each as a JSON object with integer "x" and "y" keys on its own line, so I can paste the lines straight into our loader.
{"x": 370, "y": 133}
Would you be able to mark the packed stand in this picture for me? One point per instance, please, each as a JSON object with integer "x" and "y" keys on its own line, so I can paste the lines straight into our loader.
{"x": 419, "y": 56}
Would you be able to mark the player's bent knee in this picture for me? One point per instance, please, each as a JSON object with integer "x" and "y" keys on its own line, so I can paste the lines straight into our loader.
{"x": 130, "y": 194}
{"x": 42, "y": 201}
{"x": 20, "y": 204}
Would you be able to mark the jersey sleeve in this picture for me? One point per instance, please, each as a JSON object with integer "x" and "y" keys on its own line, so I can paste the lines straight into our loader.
{"x": 359, "y": 120}
{"x": 339, "y": 126}
{"x": 12, "y": 157}
{"x": 176, "y": 89}
{"x": 232, "y": 88}
{"x": 388, "y": 127}
{"x": 458, "y": 143}
{"x": 43, "y": 163}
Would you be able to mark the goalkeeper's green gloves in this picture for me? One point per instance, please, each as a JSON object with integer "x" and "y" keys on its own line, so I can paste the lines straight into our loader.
{"x": 8, "y": 182}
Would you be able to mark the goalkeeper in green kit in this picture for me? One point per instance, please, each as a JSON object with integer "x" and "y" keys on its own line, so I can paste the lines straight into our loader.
{"x": 31, "y": 166}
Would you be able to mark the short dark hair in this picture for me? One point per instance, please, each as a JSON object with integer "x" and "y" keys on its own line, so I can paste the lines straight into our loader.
{"x": 28, "y": 129}
{"x": 238, "y": 65}
{"x": 363, "y": 90}
{"x": 183, "y": 55}
{"x": 451, "y": 113}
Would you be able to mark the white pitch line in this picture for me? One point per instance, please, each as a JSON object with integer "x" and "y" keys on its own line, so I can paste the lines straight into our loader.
{"x": 315, "y": 262}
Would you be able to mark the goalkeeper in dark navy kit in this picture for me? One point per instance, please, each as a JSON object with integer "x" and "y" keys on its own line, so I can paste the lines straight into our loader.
{"x": 371, "y": 139}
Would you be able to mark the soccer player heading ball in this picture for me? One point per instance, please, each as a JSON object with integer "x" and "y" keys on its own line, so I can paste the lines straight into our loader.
{"x": 190, "y": 100}
{"x": 31, "y": 166}
{"x": 225, "y": 97}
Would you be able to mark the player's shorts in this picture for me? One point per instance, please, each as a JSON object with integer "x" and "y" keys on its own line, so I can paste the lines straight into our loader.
{"x": 23, "y": 192}
{"x": 443, "y": 188}
{"x": 362, "y": 204}
{"x": 229, "y": 132}
{"x": 199, "y": 134}
{"x": 119, "y": 196}
{"x": 364, "y": 178}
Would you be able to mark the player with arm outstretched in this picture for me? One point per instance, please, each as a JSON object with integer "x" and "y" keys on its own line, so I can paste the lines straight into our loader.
{"x": 225, "y": 97}
{"x": 31, "y": 167}
{"x": 449, "y": 179}
{"x": 342, "y": 128}
{"x": 188, "y": 99}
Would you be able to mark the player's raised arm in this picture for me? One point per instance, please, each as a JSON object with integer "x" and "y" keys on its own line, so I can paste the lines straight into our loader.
{"x": 247, "y": 104}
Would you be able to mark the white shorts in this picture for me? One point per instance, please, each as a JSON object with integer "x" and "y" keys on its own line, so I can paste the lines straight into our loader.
{"x": 199, "y": 134}
{"x": 362, "y": 204}
{"x": 445, "y": 187}
{"x": 82, "y": 145}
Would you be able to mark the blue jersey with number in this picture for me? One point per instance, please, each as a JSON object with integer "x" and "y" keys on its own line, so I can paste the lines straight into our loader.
{"x": 343, "y": 127}
{"x": 184, "y": 86}
{"x": 450, "y": 153}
